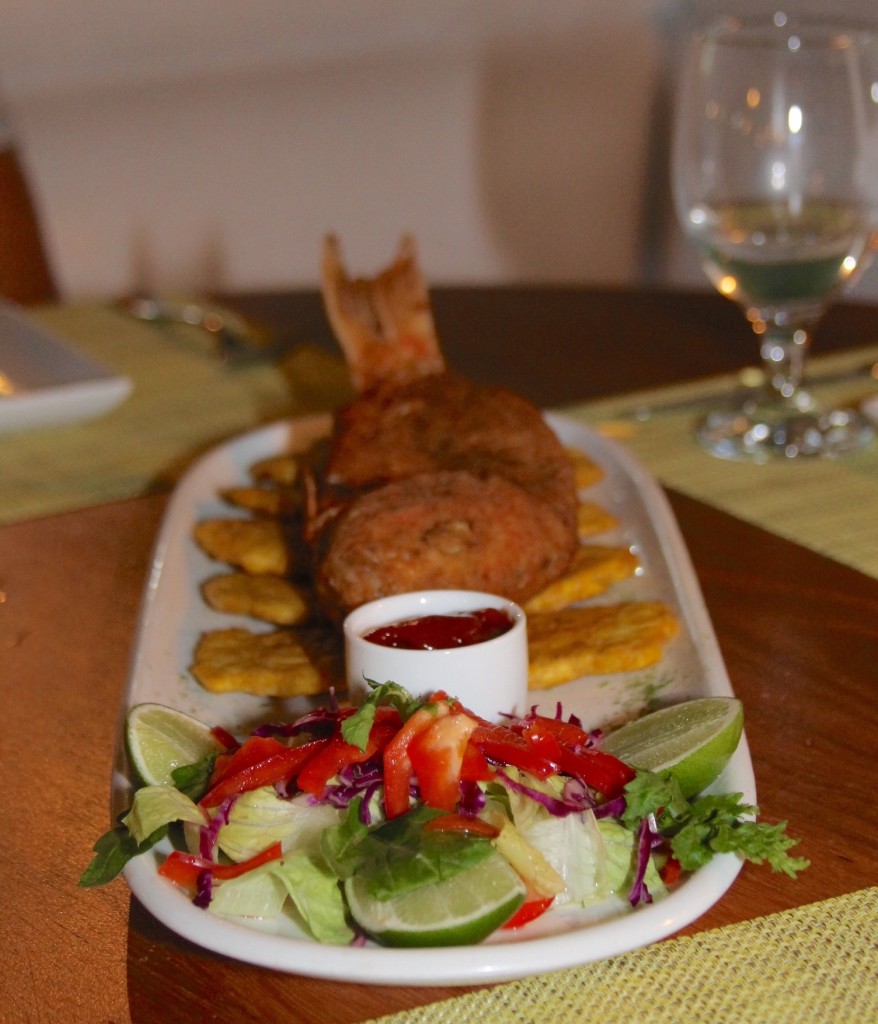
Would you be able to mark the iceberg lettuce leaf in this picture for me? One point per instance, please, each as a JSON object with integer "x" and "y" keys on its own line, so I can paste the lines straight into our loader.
{"x": 156, "y": 806}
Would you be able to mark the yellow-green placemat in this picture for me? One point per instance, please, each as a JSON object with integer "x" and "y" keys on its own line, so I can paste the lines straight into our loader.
{"x": 817, "y": 964}
{"x": 827, "y": 505}
{"x": 184, "y": 401}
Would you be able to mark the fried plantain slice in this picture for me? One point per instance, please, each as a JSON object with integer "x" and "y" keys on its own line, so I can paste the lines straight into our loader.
{"x": 586, "y": 471}
{"x": 597, "y": 640}
{"x": 282, "y": 470}
{"x": 594, "y": 570}
{"x": 592, "y": 519}
{"x": 255, "y": 545}
{"x": 268, "y": 598}
{"x": 282, "y": 663}
{"x": 266, "y": 501}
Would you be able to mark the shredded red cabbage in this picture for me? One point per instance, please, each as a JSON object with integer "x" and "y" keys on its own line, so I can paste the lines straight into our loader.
{"x": 320, "y": 722}
{"x": 611, "y": 809}
{"x": 576, "y": 791}
{"x": 559, "y": 807}
{"x": 559, "y": 715}
{"x": 362, "y": 773}
{"x": 207, "y": 833}
{"x": 203, "y": 889}
{"x": 639, "y": 893}
{"x": 366, "y": 805}
{"x": 365, "y": 778}
{"x": 286, "y": 789}
{"x": 472, "y": 798}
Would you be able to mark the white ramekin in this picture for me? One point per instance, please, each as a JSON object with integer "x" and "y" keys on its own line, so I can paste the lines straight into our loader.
{"x": 489, "y": 678}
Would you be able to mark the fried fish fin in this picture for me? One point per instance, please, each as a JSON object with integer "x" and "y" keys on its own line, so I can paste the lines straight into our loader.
{"x": 383, "y": 324}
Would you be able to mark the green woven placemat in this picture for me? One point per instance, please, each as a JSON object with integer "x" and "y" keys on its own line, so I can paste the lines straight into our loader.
{"x": 184, "y": 401}
{"x": 828, "y": 505}
{"x": 817, "y": 964}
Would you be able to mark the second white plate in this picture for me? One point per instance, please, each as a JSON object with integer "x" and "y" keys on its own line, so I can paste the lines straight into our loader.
{"x": 44, "y": 382}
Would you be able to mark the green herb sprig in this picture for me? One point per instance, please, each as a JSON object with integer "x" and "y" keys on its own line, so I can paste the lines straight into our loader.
{"x": 709, "y": 824}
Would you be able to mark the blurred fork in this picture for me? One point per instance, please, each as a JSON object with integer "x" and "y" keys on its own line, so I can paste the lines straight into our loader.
{"x": 238, "y": 340}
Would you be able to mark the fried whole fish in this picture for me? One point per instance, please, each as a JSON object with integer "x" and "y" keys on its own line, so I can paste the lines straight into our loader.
{"x": 432, "y": 481}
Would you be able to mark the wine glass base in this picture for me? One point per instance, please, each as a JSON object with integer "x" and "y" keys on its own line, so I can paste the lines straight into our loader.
{"x": 755, "y": 432}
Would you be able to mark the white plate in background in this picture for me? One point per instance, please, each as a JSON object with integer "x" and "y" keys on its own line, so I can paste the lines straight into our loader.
{"x": 174, "y": 615}
{"x": 44, "y": 382}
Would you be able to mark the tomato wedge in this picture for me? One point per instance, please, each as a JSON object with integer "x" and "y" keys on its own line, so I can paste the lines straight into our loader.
{"x": 184, "y": 868}
{"x": 261, "y": 761}
{"x": 437, "y": 754}
{"x": 475, "y": 767}
{"x": 670, "y": 871}
{"x": 529, "y": 911}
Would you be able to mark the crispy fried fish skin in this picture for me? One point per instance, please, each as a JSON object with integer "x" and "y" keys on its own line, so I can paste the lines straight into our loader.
{"x": 442, "y": 422}
{"x": 432, "y": 480}
{"x": 440, "y": 530}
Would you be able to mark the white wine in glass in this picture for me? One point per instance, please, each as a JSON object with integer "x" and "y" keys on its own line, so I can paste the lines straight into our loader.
{"x": 775, "y": 177}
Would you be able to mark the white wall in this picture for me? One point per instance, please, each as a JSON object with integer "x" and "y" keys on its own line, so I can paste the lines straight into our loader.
{"x": 211, "y": 143}
{"x": 208, "y": 144}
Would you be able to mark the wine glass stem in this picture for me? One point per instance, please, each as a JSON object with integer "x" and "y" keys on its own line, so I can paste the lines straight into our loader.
{"x": 783, "y": 353}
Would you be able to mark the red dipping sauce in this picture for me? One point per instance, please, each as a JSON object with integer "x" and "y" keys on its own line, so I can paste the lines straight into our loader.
{"x": 439, "y": 632}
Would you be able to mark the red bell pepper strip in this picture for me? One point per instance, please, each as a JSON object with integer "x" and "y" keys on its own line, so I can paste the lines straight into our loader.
{"x": 462, "y": 823}
{"x": 599, "y": 770}
{"x": 261, "y": 761}
{"x": 567, "y": 733}
{"x": 397, "y": 763}
{"x": 338, "y": 754}
{"x": 251, "y": 751}
{"x": 184, "y": 868}
{"x": 224, "y": 738}
{"x": 504, "y": 746}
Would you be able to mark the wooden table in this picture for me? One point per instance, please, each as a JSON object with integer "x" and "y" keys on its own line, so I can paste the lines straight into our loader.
{"x": 798, "y": 633}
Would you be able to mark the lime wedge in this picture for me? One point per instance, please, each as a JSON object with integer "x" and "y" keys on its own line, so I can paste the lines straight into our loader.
{"x": 160, "y": 739}
{"x": 458, "y": 911}
{"x": 692, "y": 741}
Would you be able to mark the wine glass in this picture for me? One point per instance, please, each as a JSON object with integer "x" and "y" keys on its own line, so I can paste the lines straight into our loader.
{"x": 775, "y": 177}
